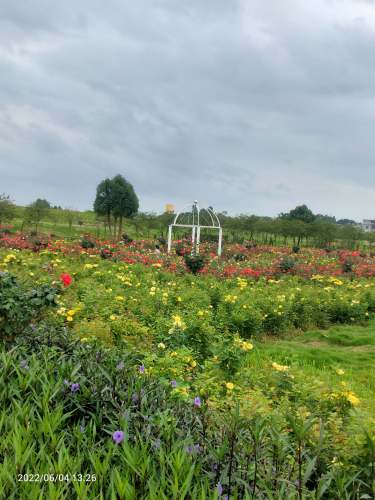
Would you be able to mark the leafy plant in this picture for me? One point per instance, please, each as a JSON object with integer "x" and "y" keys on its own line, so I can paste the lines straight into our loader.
{"x": 287, "y": 264}
{"x": 87, "y": 243}
{"x": 19, "y": 306}
{"x": 194, "y": 263}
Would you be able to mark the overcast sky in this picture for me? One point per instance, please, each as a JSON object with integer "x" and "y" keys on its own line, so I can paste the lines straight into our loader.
{"x": 246, "y": 105}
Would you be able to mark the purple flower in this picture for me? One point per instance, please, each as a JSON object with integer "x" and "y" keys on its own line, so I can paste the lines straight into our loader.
{"x": 120, "y": 366}
{"x": 142, "y": 369}
{"x": 135, "y": 397}
{"x": 219, "y": 488}
{"x": 197, "y": 402}
{"x": 190, "y": 449}
{"x": 74, "y": 387}
{"x": 173, "y": 384}
{"x": 157, "y": 444}
{"x": 24, "y": 365}
{"x": 118, "y": 437}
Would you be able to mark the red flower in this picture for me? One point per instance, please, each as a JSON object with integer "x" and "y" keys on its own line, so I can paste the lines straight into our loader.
{"x": 66, "y": 279}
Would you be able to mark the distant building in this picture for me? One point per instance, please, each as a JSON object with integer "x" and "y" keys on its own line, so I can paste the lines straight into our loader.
{"x": 169, "y": 208}
{"x": 368, "y": 225}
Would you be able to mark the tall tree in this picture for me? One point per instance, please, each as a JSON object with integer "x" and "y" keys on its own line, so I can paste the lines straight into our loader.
{"x": 302, "y": 212}
{"x": 103, "y": 204}
{"x": 36, "y": 212}
{"x": 125, "y": 201}
{"x": 7, "y": 209}
{"x": 115, "y": 200}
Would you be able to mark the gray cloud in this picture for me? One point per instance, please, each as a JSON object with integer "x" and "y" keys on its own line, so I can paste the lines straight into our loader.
{"x": 249, "y": 106}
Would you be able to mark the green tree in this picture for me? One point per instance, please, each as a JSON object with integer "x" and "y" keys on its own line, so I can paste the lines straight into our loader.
{"x": 125, "y": 201}
{"x": 36, "y": 212}
{"x": 302, "y": 213}
{"x": 103, "y": 204}
{"x": 69, "y": 216}
{"x": 115, "y": 200}
{"x": 7, "y": 209}
{"x": 42, "y": 203}
{"x": 324, "y": 233}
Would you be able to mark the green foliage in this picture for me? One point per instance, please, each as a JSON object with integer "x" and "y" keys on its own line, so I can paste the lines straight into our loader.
{"x": 347, "y": 265}
{"x": 19, "y": 306}
{"x": 7, "y": 209}
{"x": 170, "y": 446}
{"x": 194, "y": 263}
{"x": 126, "y": 238}
{"x": 115, "y": 199}
{"x": 239, "y": 257}
{"x": 87, "y": 243}
{"x": 125, "y": 201}
{"x": 301, "y": 213}
{"x": 36, "y": 212}
{"x": 287, "y": 264}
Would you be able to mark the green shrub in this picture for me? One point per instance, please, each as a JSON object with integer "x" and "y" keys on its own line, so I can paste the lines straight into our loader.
{"x": 19, "y": 306}
{"x": 194, "y": 263}
{"x": 86, "y": 243}
{"x": 287, "y": 264}
{"x": 347, "y": 266}
{"x": 239, "y": 257}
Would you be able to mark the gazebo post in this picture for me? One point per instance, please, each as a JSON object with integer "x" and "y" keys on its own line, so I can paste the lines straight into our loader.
{"x": 193, "y": 235}
{"x": 169, "y": 238}
{"x": 220, "y": 242}
{"x": 198, "y": 239}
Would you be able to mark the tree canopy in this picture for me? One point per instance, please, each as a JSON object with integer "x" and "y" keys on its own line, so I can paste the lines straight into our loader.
{"x": 301, "y": 212}
{"x": 115, "y": 200}
{"x": 7, "y": 209}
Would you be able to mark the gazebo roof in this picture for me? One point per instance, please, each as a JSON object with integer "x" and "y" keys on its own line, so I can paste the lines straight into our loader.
{"x": 193, "y": 215}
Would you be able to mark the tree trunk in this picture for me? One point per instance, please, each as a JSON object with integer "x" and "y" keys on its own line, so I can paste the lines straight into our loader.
{"x": 109, "y": 222}
{"x": 120, "y": 227}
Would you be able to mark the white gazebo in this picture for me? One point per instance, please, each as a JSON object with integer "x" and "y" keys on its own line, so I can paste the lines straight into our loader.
{"x": 196, "y": 219}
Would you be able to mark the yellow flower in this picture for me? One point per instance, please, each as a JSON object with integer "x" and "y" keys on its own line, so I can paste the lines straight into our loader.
{"x": 280, "y": 368}
{"x": 71, "y": 312}
{"x": 193, "y": 363}
{"x": 339, "y": 371}
{"x": 119, "y": 298}
{"x": 69, "y": 318}
{"x": 161, "y": 345}
{"x": 352, "y": 398}
{"x": 200, "y": 313}
{"x": 113, "y": 317}
{"x": 247, "y": 346}
{"x": 182, "y": 390}
{"x": 229, "y": 386}
{"x": 177, "y": 322}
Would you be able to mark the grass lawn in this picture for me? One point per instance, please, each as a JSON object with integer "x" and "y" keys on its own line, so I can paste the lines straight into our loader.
{"x": 320, "y": 354}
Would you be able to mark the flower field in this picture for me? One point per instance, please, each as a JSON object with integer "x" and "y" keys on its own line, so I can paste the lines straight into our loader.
{"x": 152, "y": 382}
